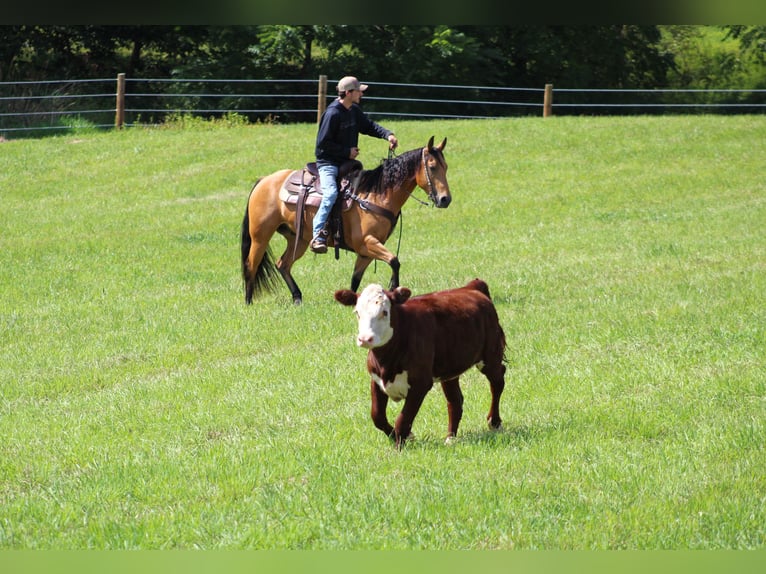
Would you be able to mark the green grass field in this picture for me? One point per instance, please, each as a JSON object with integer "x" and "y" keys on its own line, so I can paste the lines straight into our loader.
{"x": 144, "y": 406}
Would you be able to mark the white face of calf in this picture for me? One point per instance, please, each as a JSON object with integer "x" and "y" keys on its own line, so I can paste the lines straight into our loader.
{"x": 373, "y": 310}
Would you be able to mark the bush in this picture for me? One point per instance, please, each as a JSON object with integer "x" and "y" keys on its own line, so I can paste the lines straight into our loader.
{"x": 188, "y": 121}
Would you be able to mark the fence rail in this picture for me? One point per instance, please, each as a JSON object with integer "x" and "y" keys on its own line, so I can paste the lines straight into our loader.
{"x": 61, "y": 105}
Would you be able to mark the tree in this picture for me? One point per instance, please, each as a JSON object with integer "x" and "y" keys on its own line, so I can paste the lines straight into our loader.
{"x": 752, "y": 38}
{"x": 404, "y": 57}
{"x": 12, "y": 46}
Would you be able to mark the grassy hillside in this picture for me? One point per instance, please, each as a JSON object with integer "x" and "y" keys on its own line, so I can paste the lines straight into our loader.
{"x": 145, "y": 406}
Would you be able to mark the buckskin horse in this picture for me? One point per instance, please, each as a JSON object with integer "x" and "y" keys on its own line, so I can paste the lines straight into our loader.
{"x": 372, "y": 202}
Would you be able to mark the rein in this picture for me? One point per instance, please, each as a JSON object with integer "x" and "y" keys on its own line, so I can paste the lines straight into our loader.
{"x": 391, "y": 155}
{"x": 367, "y": 206}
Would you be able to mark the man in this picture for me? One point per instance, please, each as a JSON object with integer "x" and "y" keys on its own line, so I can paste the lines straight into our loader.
{"x": 337, "y": 141}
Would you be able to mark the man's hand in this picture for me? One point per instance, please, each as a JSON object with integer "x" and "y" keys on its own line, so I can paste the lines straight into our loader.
{"x": 392, "y": 142}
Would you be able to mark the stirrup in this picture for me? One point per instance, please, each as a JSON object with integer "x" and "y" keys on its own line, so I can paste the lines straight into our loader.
{"x": 318, "y": 244}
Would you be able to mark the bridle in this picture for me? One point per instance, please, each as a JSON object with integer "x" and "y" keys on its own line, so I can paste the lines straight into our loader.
{"x": 431, "y": 192}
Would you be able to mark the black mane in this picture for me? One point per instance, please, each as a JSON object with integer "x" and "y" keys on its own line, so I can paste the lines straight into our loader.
{"x": 390, "y": 173}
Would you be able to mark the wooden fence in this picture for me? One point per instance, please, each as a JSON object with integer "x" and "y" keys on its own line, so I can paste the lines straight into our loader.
{"x": 56, "y": 104}
{"x": 322, "y": 98}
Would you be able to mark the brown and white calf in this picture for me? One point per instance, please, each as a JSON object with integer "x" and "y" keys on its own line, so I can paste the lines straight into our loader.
{"x": 415, "y": 341}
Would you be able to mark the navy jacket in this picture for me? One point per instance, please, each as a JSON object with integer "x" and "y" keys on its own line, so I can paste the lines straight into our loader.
{"x": 339, "y": 131}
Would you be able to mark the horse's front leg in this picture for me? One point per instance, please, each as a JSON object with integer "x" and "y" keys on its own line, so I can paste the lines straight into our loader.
{"x": 359, "y": 268}
{"x": 374, "y": 249}
{"x": 394, "y": 263}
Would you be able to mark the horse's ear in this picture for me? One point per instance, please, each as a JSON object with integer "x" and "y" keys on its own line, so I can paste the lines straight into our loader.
{"x": 346, "y": 297}
{"x": 400, "y": 295}
{"x": 442, "y": 145}
{"x": 430, "y": 144}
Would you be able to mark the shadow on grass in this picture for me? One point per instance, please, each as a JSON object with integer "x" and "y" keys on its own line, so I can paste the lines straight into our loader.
{"x": 511, "y": 437}
{"x": 516, "y": 436}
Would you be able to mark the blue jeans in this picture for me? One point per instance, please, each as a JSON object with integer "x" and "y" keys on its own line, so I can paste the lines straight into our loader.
{"x": 328, "y": 180}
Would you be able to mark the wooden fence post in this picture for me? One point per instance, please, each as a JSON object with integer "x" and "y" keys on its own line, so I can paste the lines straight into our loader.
{"x": 119, "y": 116}
{"x": 321, "y": 97}
{"x": 548, "y": 101}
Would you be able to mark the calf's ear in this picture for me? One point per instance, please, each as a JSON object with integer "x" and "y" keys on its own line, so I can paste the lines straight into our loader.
{"x": 346, "y": 297}
{"x": 400, "y": 295}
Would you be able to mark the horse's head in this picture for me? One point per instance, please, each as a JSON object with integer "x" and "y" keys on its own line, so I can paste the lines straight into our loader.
{"x": 432, "y": 176}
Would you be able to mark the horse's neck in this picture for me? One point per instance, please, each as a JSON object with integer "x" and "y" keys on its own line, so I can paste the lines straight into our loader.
{"x": 393, "y": 198}
{"x": 400, "y": 195}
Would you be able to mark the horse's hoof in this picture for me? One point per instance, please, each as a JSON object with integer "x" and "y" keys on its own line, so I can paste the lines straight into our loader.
{"x": 297, "y": 302}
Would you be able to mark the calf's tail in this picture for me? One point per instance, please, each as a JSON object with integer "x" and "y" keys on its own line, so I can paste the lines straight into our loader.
{"x": 480, "y": 285}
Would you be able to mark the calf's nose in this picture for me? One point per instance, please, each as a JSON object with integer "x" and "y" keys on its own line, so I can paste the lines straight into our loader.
{"x": 364, "y": 340}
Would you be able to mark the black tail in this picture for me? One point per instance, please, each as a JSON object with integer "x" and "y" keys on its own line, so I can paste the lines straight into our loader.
{"x": 246, "y": 241}
{"x": 266, "y": 276}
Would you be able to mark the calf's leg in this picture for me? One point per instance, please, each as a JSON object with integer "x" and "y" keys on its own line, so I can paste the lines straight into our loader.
{"x": 496, "y": 376}
{"x": 412, "y": 404}
{"x": 454, "y": 398}
{"x": 379, "y": 401}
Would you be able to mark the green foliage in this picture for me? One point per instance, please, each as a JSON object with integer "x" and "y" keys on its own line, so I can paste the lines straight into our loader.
{"x": 708, "y": 57}
{"x": 145, "y": 406}
{"x": 78, "y": 125}
{"x": 455, "y": 51}
{"x": 610, "y": 56}
{"x": 752, "y": 38}
{"x": 590, "y": 58}
{"x": 189, "y": 121}
{"x": 284, "y": 48}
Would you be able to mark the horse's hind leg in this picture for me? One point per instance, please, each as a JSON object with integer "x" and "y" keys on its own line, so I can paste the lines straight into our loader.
{"x": 291, "y": 255}
{"x": 258, "y": 269}
{"x": 258, "y": 225}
